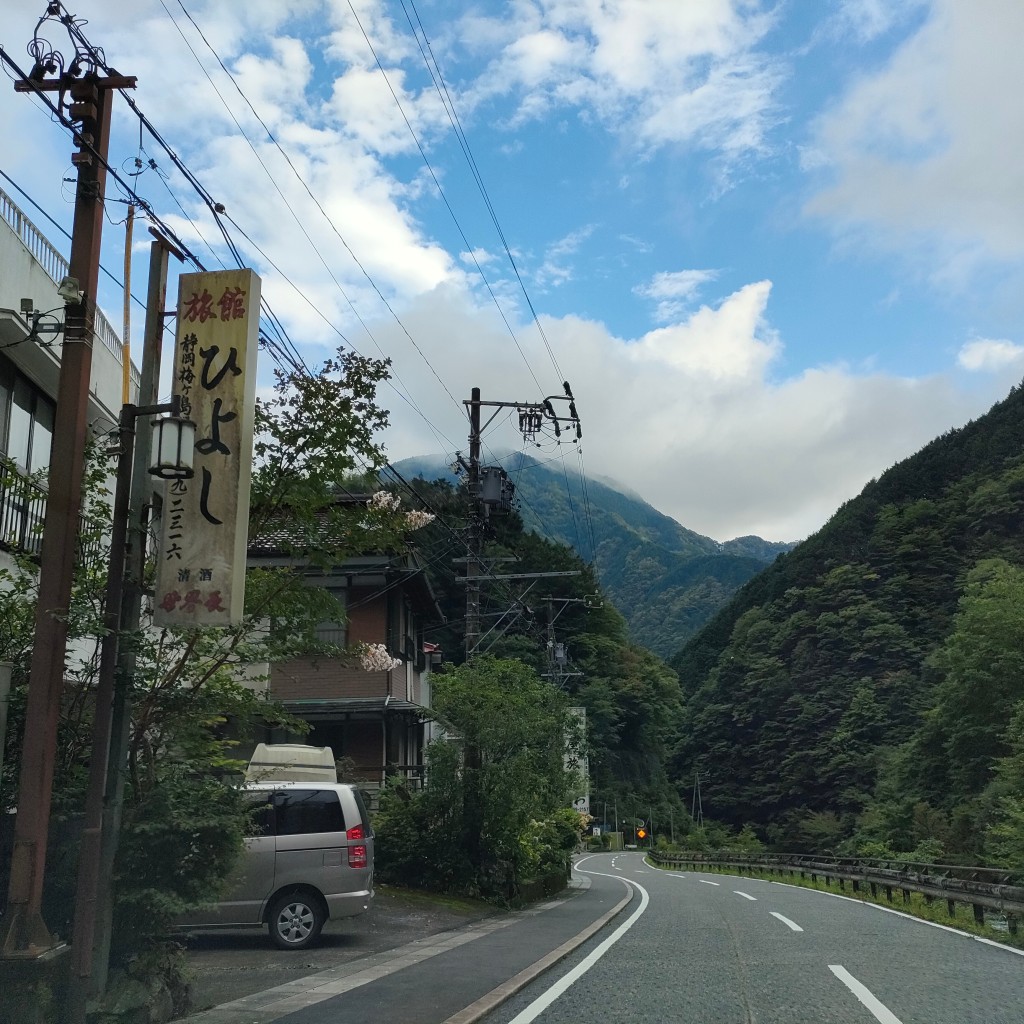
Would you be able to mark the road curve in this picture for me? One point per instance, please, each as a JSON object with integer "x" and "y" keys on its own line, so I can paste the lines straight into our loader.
{"x": 720, "y": 949}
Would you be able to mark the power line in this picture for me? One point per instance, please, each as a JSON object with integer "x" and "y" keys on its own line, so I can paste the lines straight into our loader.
{"x": 67, "y": 234}
{"x": 441, "y": 192}
{"x": 446, "y": 101}
{"x": 407, "y": 396}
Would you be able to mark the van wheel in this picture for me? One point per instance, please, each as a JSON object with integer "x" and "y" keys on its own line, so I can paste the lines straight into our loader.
{"x": 295, "y": 920}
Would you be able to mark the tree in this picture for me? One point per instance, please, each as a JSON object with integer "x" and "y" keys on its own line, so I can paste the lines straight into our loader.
{"x": 518, "y": 725}
{"x": 183, "y": 823}
{"x": 982, "y": 668}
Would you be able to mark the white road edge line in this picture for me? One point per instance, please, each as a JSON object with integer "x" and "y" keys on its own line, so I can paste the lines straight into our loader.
{"x": 908, "y": 917}
{"x": 786, "y": 921}
{"x": 745, "y": 895}
{"x": 543, "y": 1001}
{"x": 706, "y": 882}
{"x": 881, "y": 1012}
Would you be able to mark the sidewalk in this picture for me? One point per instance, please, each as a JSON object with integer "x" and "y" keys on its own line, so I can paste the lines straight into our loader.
{"x": 454, "y": 976}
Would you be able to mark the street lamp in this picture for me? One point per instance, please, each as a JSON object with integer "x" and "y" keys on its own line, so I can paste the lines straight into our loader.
{"x": 174, "y": 441}
{"x": 172, "y": 458}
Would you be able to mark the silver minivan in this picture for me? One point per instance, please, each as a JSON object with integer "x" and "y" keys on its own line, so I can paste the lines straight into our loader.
{"x": 310, "y": 860}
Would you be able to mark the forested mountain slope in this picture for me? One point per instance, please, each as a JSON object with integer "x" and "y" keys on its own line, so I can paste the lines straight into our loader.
{"x": 631, "y": 696}
{"x": 665, "y": 579}
{"x": 863, "y": 688}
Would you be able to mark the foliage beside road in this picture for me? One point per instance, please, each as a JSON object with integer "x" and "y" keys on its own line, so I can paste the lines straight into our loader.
{"x": 495, "y": 814}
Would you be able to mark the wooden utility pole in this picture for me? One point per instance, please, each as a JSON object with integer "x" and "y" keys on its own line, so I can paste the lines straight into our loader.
{"x": 25, "y": 933}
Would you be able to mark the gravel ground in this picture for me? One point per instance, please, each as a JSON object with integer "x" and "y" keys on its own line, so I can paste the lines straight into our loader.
{"x": 226, "y": 965}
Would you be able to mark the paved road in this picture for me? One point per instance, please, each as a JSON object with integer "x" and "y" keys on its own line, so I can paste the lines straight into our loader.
{"x": 718, "y": 949}
{"x": 635, "y": 943}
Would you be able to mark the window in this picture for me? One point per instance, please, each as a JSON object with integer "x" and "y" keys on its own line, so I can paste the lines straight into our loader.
{"x": 26, "y": 421}
{"x": 308, "y": 810}
{"x": 334, "y": 632}
{"x": 261, "y": 815}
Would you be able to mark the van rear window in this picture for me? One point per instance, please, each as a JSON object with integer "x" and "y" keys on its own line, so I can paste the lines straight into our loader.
{"x": 302, "y": 811}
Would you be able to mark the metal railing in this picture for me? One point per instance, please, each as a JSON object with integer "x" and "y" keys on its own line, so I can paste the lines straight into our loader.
{"x": 981, "y": 888}
{"x": 32, "y": 238}
{"x": 23, "y": 511}
{"x": 56, "y": 266}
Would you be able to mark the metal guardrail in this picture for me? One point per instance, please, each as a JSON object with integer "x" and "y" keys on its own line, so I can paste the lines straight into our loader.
{"x": 981, "y": 888}
{"x": 56, "y": 266}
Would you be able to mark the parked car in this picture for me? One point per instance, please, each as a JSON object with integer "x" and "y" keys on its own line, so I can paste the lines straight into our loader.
{"x": 310, "y": 861}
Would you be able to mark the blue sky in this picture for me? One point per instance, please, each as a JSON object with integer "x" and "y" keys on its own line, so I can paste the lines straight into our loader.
{"x": 774, "y": 247}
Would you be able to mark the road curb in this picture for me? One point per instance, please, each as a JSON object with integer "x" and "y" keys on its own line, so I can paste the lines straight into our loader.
{"x": 490, "y": 1002}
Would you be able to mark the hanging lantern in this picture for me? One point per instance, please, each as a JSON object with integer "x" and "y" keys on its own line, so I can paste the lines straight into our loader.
{"x": 174, "y": 442}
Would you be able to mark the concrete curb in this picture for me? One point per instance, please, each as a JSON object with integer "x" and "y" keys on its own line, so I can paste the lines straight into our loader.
{"x": 490, "y": 1002}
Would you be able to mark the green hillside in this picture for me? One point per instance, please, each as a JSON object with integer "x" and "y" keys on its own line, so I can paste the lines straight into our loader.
{"x": 666, "y": 581}
{"x": 868, "y": 687}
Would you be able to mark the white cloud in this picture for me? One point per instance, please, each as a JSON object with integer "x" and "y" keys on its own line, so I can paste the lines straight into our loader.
{"x": 868, "y": 19}
{"x": 989, "y": 354}
{"x": 478, "y": 257}
{"x": 653, "y": 71}
{"x": 673, "y": 291}
{"x": 557, "y": 267}
{"x": 925, "y": 153}
{"x": 690, "y": 416}
{"x": 694, "y": 415}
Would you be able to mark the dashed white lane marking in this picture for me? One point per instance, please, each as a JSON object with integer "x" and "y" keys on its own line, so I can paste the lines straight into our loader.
{"x": 786, "y": 921}
{"x": 706, "y": 882}
{"x": 909, "y": 917}
{"x": 881, "y": 1012}
{"x": 745, "y": 895}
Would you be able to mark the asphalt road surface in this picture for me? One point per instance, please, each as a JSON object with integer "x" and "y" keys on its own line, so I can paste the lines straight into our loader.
{"x": 632, "y": 943}
{"x": 719, "y": 949}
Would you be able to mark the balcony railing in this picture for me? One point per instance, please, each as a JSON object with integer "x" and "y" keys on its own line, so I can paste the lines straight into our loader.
{"x": 22, "y": 512}
{"x": 56, "y": 266}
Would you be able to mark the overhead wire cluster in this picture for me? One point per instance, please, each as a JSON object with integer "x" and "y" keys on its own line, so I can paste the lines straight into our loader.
{"x": 274, "y": 336}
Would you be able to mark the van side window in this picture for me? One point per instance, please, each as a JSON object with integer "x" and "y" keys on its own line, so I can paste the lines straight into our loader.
{"x": 299, "y": 812}
{"x": 261, "y": 815}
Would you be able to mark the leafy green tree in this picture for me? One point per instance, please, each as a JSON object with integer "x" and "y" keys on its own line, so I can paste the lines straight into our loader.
{"x": 982, "y": 667}
{"x": 1005, "y": 836}
{"x": 631, "y": 697}
{"x": 182, "y": 824}
{"x": 517, "y": 726}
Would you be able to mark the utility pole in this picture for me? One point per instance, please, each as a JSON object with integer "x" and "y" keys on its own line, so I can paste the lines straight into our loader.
{"x": 25, "y": 933}
{"x": 475, "y": 538}
{"x": 532, "y": 416}
{"x": 141, "y": 496}
{"x": 490, "y": 489}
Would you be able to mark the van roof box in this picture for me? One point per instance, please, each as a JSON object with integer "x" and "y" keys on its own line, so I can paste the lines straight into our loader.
{"x": 291, "y": 762}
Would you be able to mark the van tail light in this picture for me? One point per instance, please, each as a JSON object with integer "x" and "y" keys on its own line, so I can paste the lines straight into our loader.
{"x": 356, "y": 854}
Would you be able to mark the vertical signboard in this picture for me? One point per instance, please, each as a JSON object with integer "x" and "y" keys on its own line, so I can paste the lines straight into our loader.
{"x": 201, "y": 560}
{"x": 576, "y": 760}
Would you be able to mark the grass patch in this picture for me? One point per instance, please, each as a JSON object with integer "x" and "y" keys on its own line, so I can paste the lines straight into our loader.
{"x": 423, "y": 898}
{"x": 936, "y": 912}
